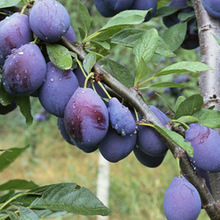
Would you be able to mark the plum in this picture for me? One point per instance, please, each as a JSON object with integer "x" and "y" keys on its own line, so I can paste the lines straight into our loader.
{"x": 206, "y": 145}
{"x": 103, "y": 8}
{"x": 212, "y": 7}
{"x": 145, "y": 5}
{"x": 182, "y": 200}
{"x": 5, "y": 109}
{"x": 119, "y": 5}
{"x": 24, "y": 70}
{"x": 115, "y": 147}
{"x": 148, "y": 139}
{"x": 70, "y": 35}
{"x": 121, "y": 118}
{"x": 14, "y": 32}
{"x": 146, "y": 159}
{"x": 86, "y": 117}
{"x": 49, "y": 20}
{"x": 57, "y": 89}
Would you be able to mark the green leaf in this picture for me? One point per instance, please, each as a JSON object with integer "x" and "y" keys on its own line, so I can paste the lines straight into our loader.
{"x": 185, "y": 16}
{"x": 189, "y": 106}
{"x": 6, "y": 196}
{"x": 5, "y": 98}
{"x": 17, "y": 184}
{"x": 59, "y": 56}
{"x": 8, "y": 3}
{"x": 145, "y": 47}
{"x": 89, "y": 62}
{"x": 27, "y": 214}
{"x": 103, "y": 44}
{"x": 208, "y": 117}
{"x": 121, "y": 73}
{"x": 179, "y": 100}
{"x": 176, "y": 138}
{"x": 175, "y": 35}
{"x": 10, "y": 214}
{"x": 72, "y": 198}
{"x": 125, "y": 18}
{"x": 141, "y": 71}
{"x": 167, "y": 84}
{"x": 165, "y": 11}
{"x": 25, "y": 107}
{"x": 163, "y": 49}
{"x": 10, "y": 156}
{"x": 105, "y": 35}
{"x": 84, "y": 16}
{"x": 182, "y": 67}
{"x": 187, "y": 119}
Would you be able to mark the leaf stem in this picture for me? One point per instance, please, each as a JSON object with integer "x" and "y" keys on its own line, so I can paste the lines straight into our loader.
{"x": 103, "y": 88}
{"x": 87, "y": 79}
{"x": 145, "y": 81}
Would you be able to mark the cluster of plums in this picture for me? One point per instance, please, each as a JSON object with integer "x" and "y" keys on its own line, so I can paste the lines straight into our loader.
{"x": 212, "y": 7}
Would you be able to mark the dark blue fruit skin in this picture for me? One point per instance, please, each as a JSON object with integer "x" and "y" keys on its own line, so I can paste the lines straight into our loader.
{"x": 66, "y": 137}
{"x": 212, "y": 7}
{"x": 145, "y": 5}
{"x": 148, "y": 139}
{"x": 5, "y": 109}
{"x": 57, "y": 89}
{"x": 24, "y": 70}
{"x": 147, "y": 160}
{"x": 121, "y": 118}
{"x": 115, "y": 147}
{"x": 70, "y": 35}
{"x": 182, "y": 200}
{"x": 119, "y": 5}
{"x": 49, "y": 20}
{"x": 103, "y": 8}
{"x": 14, "y": 32}
{"x": 206, "y": 144}
{"x": 86, "y": 117}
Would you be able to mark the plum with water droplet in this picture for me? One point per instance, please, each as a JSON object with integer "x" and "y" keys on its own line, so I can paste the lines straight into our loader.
{"x": 24, "y": 70}
{"x": 115, "y": 147}
{"x": 57, "y": 89}
{"x": 182, "y": 200}
{"x": 206, "y": 145}
{"x": 86, "y": 117}
{"x": 121, "y": 118}
{"x": 212, "y": 7}
{"x": 14, "y": 32}
{"x": 49, "y": 20}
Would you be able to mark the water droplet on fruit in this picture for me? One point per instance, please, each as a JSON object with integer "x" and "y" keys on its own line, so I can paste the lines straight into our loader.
{"x": 52, "y": 79}
{"x": 20, "y": 52}
{"x": 123, "y": 132}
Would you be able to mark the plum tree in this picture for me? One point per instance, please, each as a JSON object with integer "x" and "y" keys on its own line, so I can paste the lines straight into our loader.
{"x": 21, "y": 78}
{"x": 49, "y": 20}
{"x": 14, "y": 32}
{"x": 206, "y": 144}
{"x": 57, "y": 89}
{"x": 86, "y": 117}
{"x": 5, "y": 109}
{"x": 212, "y": 7}
{"x": 182, "y": 200}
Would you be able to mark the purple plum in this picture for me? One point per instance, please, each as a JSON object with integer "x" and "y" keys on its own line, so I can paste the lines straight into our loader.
{"x": 103, "y": 8}
{"x": 57, "y": 89}
{"x": 49, "y": 20}
{"x": 212, "y": 7}
{"x": 119, "y": 5}
{"x": 182, "y": 200}
{"x": 24, "y": 70}
{"x": 206, "y": 145}
{"x": 5, "y": 109}
{"x": 70, "y": 35}
{"x": 86, "y": 117}
{"x": 14, "y": 32}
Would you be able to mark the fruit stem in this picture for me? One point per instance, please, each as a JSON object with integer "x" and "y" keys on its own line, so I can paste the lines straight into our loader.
{"x": 23, "y": 9}
{"x": 87, "y": 79}
{"x": 145, "y": 81}
{"x": 182, "y": 123}
{"x": 103, "y": 88}
{"x": 178, "y": 167}
{"x": 81, "y": 67}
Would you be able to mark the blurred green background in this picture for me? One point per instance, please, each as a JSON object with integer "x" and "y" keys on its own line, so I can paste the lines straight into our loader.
{"x": 136, "y": 192}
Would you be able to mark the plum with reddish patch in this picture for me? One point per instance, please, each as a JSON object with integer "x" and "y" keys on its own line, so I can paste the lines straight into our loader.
{"x": 86, "y": 117}
{"x": 24, "y": 70}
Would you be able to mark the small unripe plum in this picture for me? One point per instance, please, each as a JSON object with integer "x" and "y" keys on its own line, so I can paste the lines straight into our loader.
{"x": 212, "y": 7}
{"x": 86, "y": 117}
{"x": 103, "y": 8}
{"x": 49, "y": 20}
{"x": 148, "y": 139}
{"x": 14, "y": 32}
{"x": 57, "y": 89}
{"x": 24, "y": 70}
{"x": 121, "y": 118}
{"x": 70, "y": 35}
{"x": 206, "y": 145}
{"x": 182, "y": 200}
{"x": 5, "y": 109}
{"x": 115, "y": 147}
{"x": 145, "y": 5}
{"x": 148, "y": 160}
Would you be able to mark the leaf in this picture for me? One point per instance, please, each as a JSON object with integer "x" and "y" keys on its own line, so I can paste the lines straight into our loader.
{"x": 179, "y": 100}
{"x": 27, "y": 214}
{"x": 59, "y": 56}
{"x": 187, "y": 119}
{"x": 17, "y": 184}
{"x": 89, "y": 62}
{"x": 10, "y": 156}
{"x": 165, "y": 11}
{"x": 6, "y": 196}
{"x": 10, "y": 214}
{"x": 84, "y": 16}
{"x": 163, "y": 49}
{"x": 176, "y": 138}
{"x": 189, "y": 106}
{"x": 186, "y": 16}
{"x": 208, "y": 117}
{"x": 141, "y": 71}
{"x": 175, "y": 35}
{"x": 25, "y": 107}
{"x": 125, "y": 18}
{"x": 106, "y": 34}
{"x": 72, "y": 198}
{"x": 167, "y": 84}
{"x": 5, "y": 98}
{"x": 8, "y": 3}
{"x": 146, "y": 46}
{"x": 121, "y": 73}
{"x": 103, "y": 44}
{"x": 182, "y": 67}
